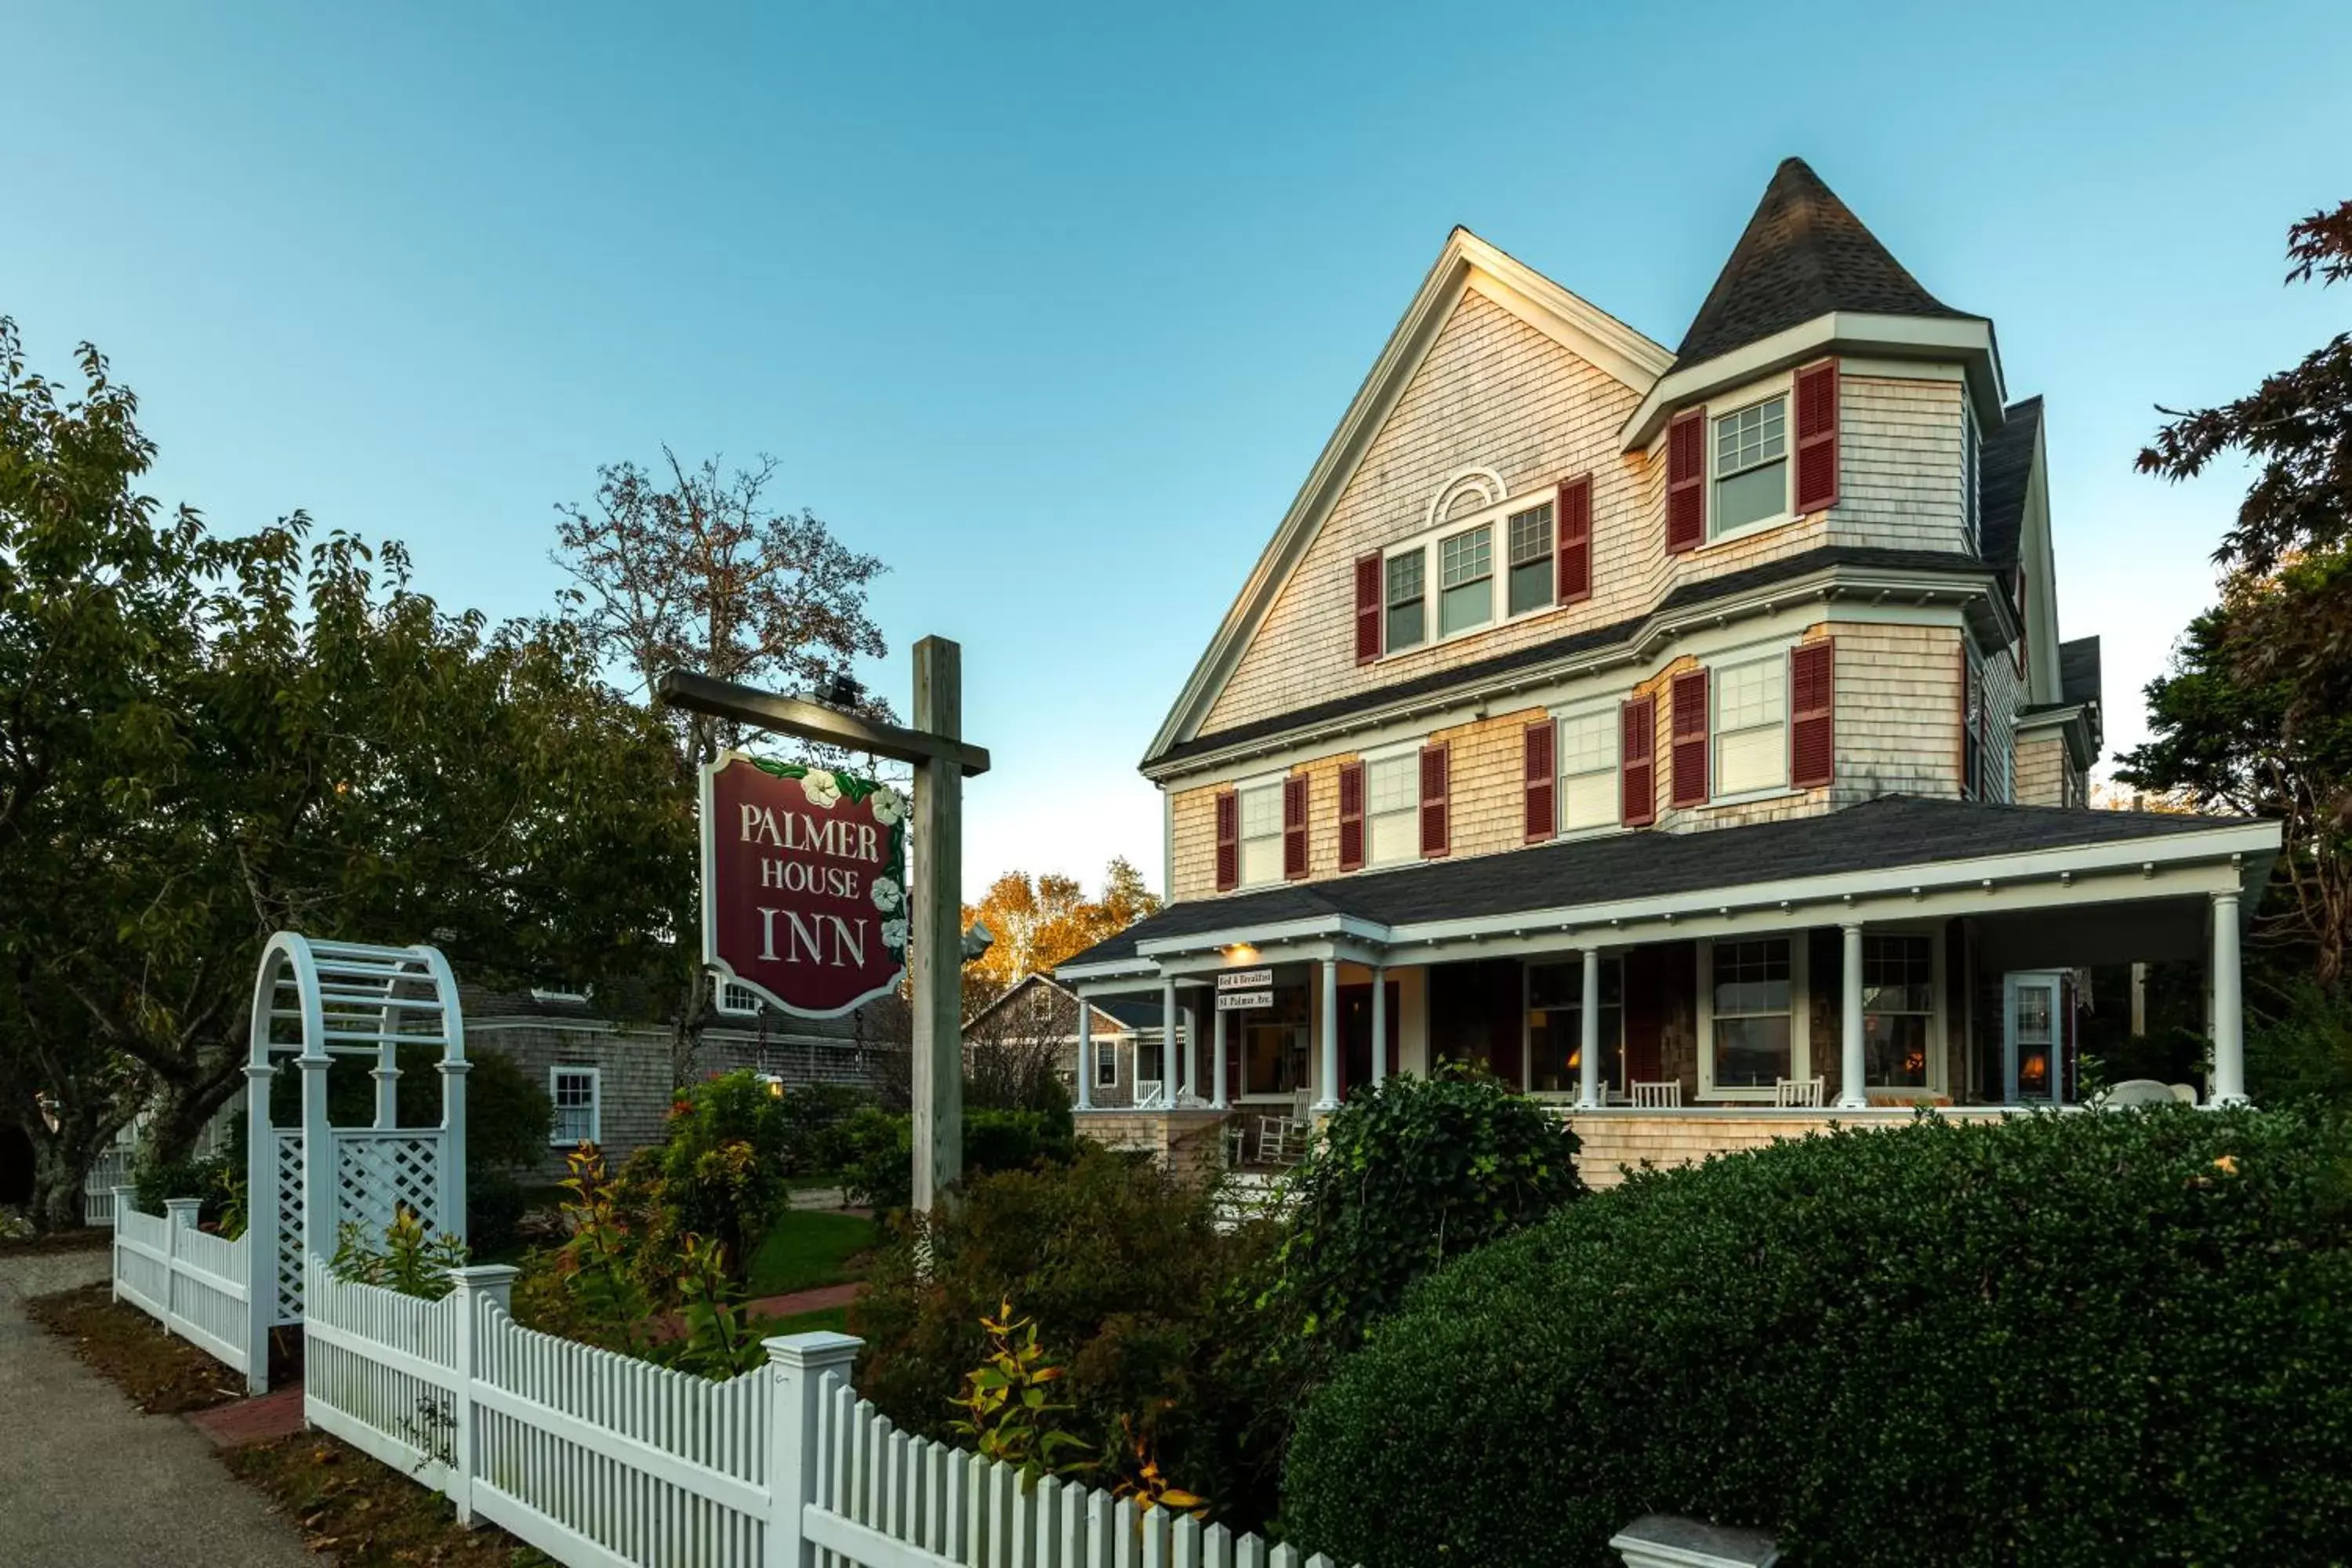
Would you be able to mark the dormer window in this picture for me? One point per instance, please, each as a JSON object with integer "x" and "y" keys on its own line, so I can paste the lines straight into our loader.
{"x": 1467, "y": 581}
{"x": 1407, "y": 624}
{"x": 1752, "y": 467}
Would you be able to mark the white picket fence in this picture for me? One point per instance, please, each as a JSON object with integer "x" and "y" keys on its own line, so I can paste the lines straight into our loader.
{"x": 601, "y": 1461}
{"x": 192, "y": 1283}
{"x": 108, "y": 1172}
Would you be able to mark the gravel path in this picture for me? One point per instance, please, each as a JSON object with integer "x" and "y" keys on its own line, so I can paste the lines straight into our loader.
{"x": 86, "y": 1479}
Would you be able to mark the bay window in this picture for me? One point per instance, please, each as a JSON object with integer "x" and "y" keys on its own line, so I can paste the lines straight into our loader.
{"x": 1752, "y": 1005}
{"x": 1751, "y": 466}
{"x": 1531, "y": 569}
{"x": 1898, "y": 1005}
{"x": 1588, "y": 771}
{"x": 1465, "y": 579}
{"x": 1751, "y": 745}
{"x": 1391, "y": 809}
{"x": 1261, "y": 824}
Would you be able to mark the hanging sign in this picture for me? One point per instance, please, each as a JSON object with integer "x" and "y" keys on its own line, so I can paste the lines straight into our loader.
{"x": 1243, "y": 1001}
{"x": 1245, "y": 979}
{"x": 803, "y": 883}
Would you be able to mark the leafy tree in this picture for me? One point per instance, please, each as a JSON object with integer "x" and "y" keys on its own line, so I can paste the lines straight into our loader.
{"x": 694, "y": 568}
{"x": 1039, "y": 922}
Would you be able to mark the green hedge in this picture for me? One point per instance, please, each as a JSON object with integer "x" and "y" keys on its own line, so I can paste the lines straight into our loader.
{"x": 2066, "y": 1339}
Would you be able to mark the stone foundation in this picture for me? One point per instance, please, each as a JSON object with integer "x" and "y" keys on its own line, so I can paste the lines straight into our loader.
{"x": 1616, "y": 1140}
{"x": 1188, "y": 1142}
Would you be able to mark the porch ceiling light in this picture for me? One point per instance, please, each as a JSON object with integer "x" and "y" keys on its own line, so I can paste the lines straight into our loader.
{"x": 1241, "y": 952}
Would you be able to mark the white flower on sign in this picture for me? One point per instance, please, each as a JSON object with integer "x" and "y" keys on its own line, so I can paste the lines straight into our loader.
{"x": 894, "y": 934}
{"x": 824, "y": 792}
{"x": 887, "y": 806}
{"x": 886, "y": 895}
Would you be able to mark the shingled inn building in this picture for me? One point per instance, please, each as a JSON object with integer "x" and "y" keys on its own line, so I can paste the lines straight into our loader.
{"x": 1685, "y": 735}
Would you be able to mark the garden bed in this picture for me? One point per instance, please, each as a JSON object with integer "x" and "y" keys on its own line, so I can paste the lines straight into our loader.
{"x": 161, "y": 1375}
{"x": 364, "y": 1514}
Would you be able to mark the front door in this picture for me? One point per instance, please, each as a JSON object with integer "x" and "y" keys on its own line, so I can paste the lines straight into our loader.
{"x": 2032, "y": 1038}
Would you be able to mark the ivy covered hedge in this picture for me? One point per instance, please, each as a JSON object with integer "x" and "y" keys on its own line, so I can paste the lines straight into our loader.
{"x": 2066, "y": 1339}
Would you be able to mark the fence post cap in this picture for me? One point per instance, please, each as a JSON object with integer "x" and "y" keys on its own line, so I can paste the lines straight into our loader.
{"x": 121, "y": 1187}
{"x": 484, "y": 1275}
{"x": 173, "y": 1205}
{"x": 1659, "y": 1539}
{"x": 820, "y": 1352}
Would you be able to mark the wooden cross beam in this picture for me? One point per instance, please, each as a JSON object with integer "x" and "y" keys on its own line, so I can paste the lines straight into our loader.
{"x": 815, "y": 721}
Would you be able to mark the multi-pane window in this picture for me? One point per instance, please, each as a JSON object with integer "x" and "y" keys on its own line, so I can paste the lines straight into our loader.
{"x": 1531, "y": 545}
{"x": 1105, "y": 1063}
{"x": 574, "y": 1089}
{"x": 1391, "y": 808}
{"x": 1971, "y": 447}
{"x": 1752, "y": 465}
{"x": 1752, "y": 997}
{"x": 1556, "y": 1026}
{"x": 1588, "y": 771}
{"x": 737, "y": 1000}
{"x": 1898, "y": 1003}
{"x": 1751, "y": 746}
{"x": 1465, "y": 579}
{"x": 1407, "y": 573}
{"x": 1261, "y": 834}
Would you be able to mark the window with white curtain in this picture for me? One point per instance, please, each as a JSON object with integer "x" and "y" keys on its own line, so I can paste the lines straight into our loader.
{"x": 1391, "y": 809}
{"x": 1751, "y": 743}
{"x": 1588, "y": 770}
{"x": 1261, "y": 834}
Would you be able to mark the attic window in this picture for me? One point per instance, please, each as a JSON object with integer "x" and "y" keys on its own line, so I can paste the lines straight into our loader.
{"x": 1752, "y": 467}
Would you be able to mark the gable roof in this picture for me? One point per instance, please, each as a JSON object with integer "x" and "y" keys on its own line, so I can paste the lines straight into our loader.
{"x": 1803, "y": 255}
{"x": 2005, "y": 479}
{"x": 1104, "y": 1013}
{"x": 1585, "y": 330}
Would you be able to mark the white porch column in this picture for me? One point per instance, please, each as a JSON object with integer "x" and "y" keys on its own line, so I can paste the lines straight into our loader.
{"x": 2229, "y": 1006}
{"x": 1191, "y": 1067}
{"x": 1379, "y": 1024}
{"x": 1167, "y": 1080}
{"x": 1085, "y": 1055}
{"x": 1851, "y": 1072}
{"x": 1326, "y": 1087}
{"x": 1588, "y": 1042}
{"x": 1217, "y": 1066}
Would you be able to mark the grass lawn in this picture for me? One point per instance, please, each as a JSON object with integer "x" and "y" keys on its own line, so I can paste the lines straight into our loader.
{"x": 809, "y": 1247}
{"x": 827, "y": 1319}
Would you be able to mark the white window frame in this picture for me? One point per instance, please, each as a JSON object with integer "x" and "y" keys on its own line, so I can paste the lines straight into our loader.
{"x": 726, "y": 1000}
{"x": 1783, "y": 388}
{"x": 1409, "y": 753}
{"x": 1271, "y": 784}
{"x": 596, "y": 1077}
{"x": 1428, "y": 544}
{"x": 1608, "y": 715}
{"x": 1107, "y": 1050}
{"x": 1801, "y": 1012}
{"x": 1733, "y": 658}
{"x": 1938, "y": 1039}
{"x": 549, "y": 993}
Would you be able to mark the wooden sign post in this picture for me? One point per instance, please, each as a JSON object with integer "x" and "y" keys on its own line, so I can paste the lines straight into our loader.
{"x": 941, "y": 761}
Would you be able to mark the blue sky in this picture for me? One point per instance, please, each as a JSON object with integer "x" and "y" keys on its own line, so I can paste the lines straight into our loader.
{"x": 1053, "y": 307}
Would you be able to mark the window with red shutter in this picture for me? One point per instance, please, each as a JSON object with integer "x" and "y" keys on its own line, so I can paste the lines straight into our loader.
{"x": 1686, "y": 481}
{"x": 1436, "y": 830}
{"x": 1351, "y": 817}
{"x": 1575, "y": 552}
{"x": 1229, "y": 840}
{"x": 1294, "y": 826}
{"x": 1817, "y": 437}
{"x": 1368, "y": 607}
{"x": 1637, "y": 761}
{"x": 1541, "y": 775}
{"x": 1812, "y": 731}
{"x": 1689, "y": 756}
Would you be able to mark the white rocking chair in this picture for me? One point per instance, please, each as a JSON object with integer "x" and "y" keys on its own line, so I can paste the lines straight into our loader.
{"x": 1664, "y": 1096}
{"x": 1799, "y": 1092}
{"x": 1281, "y": 1140}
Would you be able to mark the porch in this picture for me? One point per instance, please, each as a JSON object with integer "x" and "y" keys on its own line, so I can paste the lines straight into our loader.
{"x": 1933, "y": 954}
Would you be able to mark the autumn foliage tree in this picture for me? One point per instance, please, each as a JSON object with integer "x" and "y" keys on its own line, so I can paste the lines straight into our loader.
{"x": 1038, "y": 922}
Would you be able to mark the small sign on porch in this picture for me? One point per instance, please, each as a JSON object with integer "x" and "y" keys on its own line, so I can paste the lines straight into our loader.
{"x": 803, "y": 883}
{"x": 1245, "y": 980}
{"x": 1243, "y": 1001}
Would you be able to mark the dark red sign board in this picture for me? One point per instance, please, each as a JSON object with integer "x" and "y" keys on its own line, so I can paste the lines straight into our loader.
{"x": 803, "y": 883}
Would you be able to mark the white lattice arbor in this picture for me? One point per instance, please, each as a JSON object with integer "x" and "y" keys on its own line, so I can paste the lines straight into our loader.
{"x": 312, "y": 1002}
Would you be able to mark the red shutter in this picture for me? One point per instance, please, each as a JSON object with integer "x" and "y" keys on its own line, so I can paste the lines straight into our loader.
{"x": 1637, "y": 762}
{"x": 1686, "y": 482}
{"x": 1368, "y": 607}
{"x": 2025, "y": 694}
{"x": 1229, "y": 841}
{"x": 1575, "y": 544}
{"x": 1542, "y": 780}
{"x": 1351, "y": 817}
{"x": 1812, "y": 736}
{"x": 1294, "y": 826}
{"x": 1436, "y": 830}
{"x": 1690, "y": 739}
{"x": 1817, "y": 437}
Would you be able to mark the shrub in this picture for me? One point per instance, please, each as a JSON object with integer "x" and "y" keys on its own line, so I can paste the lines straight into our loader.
{"x": 2066, "y": 1339}
{"x": 495, "y": 1202}
{"x": 1412, "y": 1172}
{"x": 815, "y": 1117}
{"x": 720, "y": 1171}
{"x": 1130, "y": 1285}
{"x": 879, "y": 1171}
{"x": 2299, "y": 1046}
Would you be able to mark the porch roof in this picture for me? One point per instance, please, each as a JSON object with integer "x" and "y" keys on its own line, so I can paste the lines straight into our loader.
{"x": 1616, "y": 869}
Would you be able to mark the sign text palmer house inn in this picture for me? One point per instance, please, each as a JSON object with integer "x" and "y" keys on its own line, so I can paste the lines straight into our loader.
{"x": 1686, "y": 734}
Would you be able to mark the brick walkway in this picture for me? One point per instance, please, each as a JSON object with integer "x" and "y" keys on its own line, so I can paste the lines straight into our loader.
{"x": 277, "y": 1414}
{"x": 815, "y": 1300}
